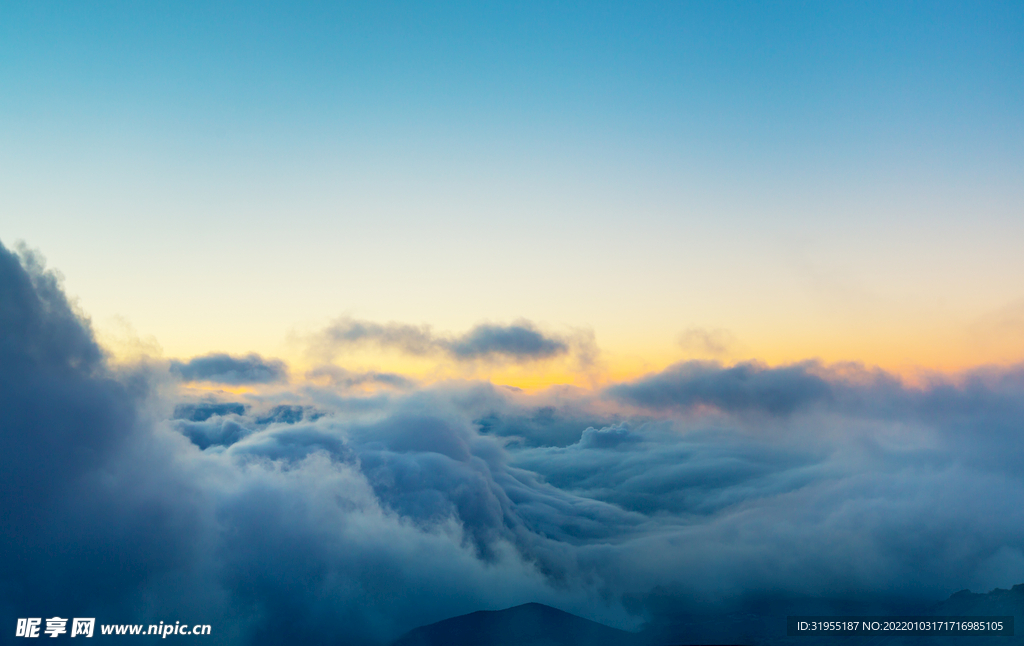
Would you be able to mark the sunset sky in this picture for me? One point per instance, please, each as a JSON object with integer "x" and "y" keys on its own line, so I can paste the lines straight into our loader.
{"x": 790, "y": 180}
{"x": 322, "y": 321}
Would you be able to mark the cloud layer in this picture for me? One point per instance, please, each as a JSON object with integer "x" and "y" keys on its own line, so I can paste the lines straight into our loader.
{"x": 225, "y": 369}
{"x": 518, "y": 342}
{"x": 324, "y": 515}
{"x": 740, "y": 388}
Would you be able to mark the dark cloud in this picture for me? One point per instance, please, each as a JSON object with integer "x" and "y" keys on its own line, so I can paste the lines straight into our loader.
{"x": 743, "y": 387}
{"x": 214, "y": 431}
{"x": 59, "y": 407}
{"x": 520, "y": 341}
{"x": 62, "y": 417}
{"x": 406, "y": 338}
{"x": 225, "y": 369}
{"x": 359, "y": 518}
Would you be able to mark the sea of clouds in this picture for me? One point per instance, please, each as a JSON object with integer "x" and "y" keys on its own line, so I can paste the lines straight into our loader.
{"x": 323, "y": 511}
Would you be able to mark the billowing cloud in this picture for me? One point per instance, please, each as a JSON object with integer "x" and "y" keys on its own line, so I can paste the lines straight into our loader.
{"x": 270, "y": 537}
{"x": 277, "y": 521}
{"x": 518, "y": 342}
{"x": 226, "y": 369}
{"x": 58, "y": 406}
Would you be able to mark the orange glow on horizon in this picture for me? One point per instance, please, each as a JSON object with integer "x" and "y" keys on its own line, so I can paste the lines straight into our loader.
{"x": 906, "y": 354}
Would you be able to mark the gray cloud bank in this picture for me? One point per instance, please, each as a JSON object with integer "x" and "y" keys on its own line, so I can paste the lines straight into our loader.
{"x": 743, "y": 387}
{"x": 226, "y": 369}
{"x": 345, "y": 519}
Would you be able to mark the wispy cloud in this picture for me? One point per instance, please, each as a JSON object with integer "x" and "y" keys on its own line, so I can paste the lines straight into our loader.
{"x": 343, "y": 378}
{"x": 715, "y": 343}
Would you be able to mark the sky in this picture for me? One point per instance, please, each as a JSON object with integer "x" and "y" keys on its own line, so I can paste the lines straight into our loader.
{"x": 324, "y": 321}
{"x": 839, "y": 182}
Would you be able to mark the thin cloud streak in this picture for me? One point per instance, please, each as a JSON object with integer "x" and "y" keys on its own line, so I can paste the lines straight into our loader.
{"x": 342, "y": 378}
{"x": 519, "y": 342}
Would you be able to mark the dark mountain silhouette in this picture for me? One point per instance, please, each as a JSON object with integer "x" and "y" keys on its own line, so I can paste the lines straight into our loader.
{"x": 535, "y": 624}
{"x": 996, "y": 602}
{"x": 531, "y": 624}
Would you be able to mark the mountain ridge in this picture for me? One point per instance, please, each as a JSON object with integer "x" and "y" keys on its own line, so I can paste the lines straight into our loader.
{"x": 535, "y": 624}
{"x": 528, "y": 624}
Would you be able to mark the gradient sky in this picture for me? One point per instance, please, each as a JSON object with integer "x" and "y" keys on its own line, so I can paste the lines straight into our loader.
{"x": 319, "y": 241}
{"x": 796, "y": 180}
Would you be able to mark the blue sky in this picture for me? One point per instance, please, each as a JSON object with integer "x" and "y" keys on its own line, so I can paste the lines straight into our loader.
{"x": 769, "y": 75}
{"x": 835, "y": 181}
